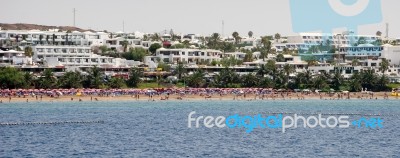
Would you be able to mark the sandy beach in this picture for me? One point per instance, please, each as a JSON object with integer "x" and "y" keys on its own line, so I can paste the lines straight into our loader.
{"x": 195, "y": 97}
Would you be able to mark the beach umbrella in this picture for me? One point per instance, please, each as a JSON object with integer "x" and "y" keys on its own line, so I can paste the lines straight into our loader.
{"x": 59, "y": 93}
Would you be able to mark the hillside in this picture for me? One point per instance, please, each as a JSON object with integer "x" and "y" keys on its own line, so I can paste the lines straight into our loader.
{"x": 22, "y": 26}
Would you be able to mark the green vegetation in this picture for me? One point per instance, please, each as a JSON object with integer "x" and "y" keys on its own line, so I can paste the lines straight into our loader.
{"x": 267, "y": 76}
{"x": 150, "y": 85}
{"x": 134, "y": 78}
{"x": 136, "y": 54}
{"x": 394, "y": 85}
{"x": 13, "y": 78}
{"x": 153, "y": 48}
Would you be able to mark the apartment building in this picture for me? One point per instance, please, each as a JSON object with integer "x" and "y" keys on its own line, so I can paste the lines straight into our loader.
{"x": 190, "y": 56}
{"x": 80, "y": 56}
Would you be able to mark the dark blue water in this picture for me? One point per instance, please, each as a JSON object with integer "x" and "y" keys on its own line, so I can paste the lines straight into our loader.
{"x": 159, "y": 129}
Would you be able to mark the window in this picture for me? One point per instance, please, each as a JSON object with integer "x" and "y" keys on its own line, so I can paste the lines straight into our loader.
{"x": 165, "y": 52}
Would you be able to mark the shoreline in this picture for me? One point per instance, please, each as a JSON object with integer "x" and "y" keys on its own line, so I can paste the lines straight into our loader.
{"x": 197, "y": 97}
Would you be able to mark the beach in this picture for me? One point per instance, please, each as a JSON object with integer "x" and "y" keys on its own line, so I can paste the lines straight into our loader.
{"x": 199, "y": 97}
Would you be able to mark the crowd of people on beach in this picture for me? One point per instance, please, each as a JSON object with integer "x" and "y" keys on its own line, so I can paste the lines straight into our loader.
{"x": 119, "y": 92}
{"x": 164, "y": 93}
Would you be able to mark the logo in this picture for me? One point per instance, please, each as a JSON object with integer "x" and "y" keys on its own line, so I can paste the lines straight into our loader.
{"x": 249, "y": 123}
{"x": 326, "y": 15}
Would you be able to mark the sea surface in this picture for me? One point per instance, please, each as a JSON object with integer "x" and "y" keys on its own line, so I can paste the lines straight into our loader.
{"x": 160, "y": 129}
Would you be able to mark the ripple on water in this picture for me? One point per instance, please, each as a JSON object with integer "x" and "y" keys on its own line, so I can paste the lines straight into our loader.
{"x": 159, "y": 129}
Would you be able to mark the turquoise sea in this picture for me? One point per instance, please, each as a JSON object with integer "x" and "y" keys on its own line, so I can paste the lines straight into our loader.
{"x": 159, "y": 129}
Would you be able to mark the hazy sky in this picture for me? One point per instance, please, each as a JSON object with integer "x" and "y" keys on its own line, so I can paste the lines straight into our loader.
{"x": 184, "y": 16}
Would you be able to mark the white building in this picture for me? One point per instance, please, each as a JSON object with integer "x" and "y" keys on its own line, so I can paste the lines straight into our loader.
{"x": 306, "y": 40}
{"x": 236, "y": 55}
{"x": 392, "y": 54}
{"x": 249, "y": 43}
{"x": 12, "y": 57}
{"x": 190, "y": 56}
{"x": 76, "y": 56}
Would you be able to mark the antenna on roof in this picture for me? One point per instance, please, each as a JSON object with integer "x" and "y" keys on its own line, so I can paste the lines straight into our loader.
{"x": 223, "y": 25}
{"x": 387, "y": 30}
{"x": 74, "y": 17}
{"x": 123, "y": 26}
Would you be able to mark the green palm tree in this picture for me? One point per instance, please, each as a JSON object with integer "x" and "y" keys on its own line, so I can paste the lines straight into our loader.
{"x": 195, "y": 80}
{"x": 249, "y": 80}
{"x": 71, "y": 79}
{"x": 236, "y": 36}
{"x": 280, "y": 58}
{"x": 384, "y": 65}
{"x": 226, "y": 78}
{"x": 47, "y": 39}
{"x": 155, "y": 37}
{"x": 250, "y": 34}
{"x": 53, "y": 39}
{"x": 17, "y": 38}
{"x": 135, "y": 75}
{"x": 337, "y": 80}
{"x": 266, "y": 49}
{"x": 248, "y": 57}
{"x": 277, "y": 36}
{"x": 11, "y": 77}
{"x": 368, "y": 79}
{"x": 186, "y": 44}
{"x": 280, "y": 79}
{"x": 116, "y": 82}
{"x": 214, "y": 41}
{"x": 47, "y": 80}
{"x": 272, "y": 69}
{"x": 180, "y": 70}
{"x": 299, "y": 80}
{"x": 382, "y": 82}
{"x": 145, "y": 38}
{"x": 262, "y": 70}
{"x": 94, "y": 79}
{"x": 288, "y": 69}
{"x": 28, "y": 51}
{"x": 319, "y": 82}
{"x": 40, "y": 38}
{"x": 265, "y": 82}
{"x": 303, "y": 79}
{"x": 378, "y": 33}
{"x": 66, "y": 39}
{"x": 355, "y": 62}
{"x": 355, "y": 82}
{"x": 311, "y": 63}
{"x": 125, "y": 44}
